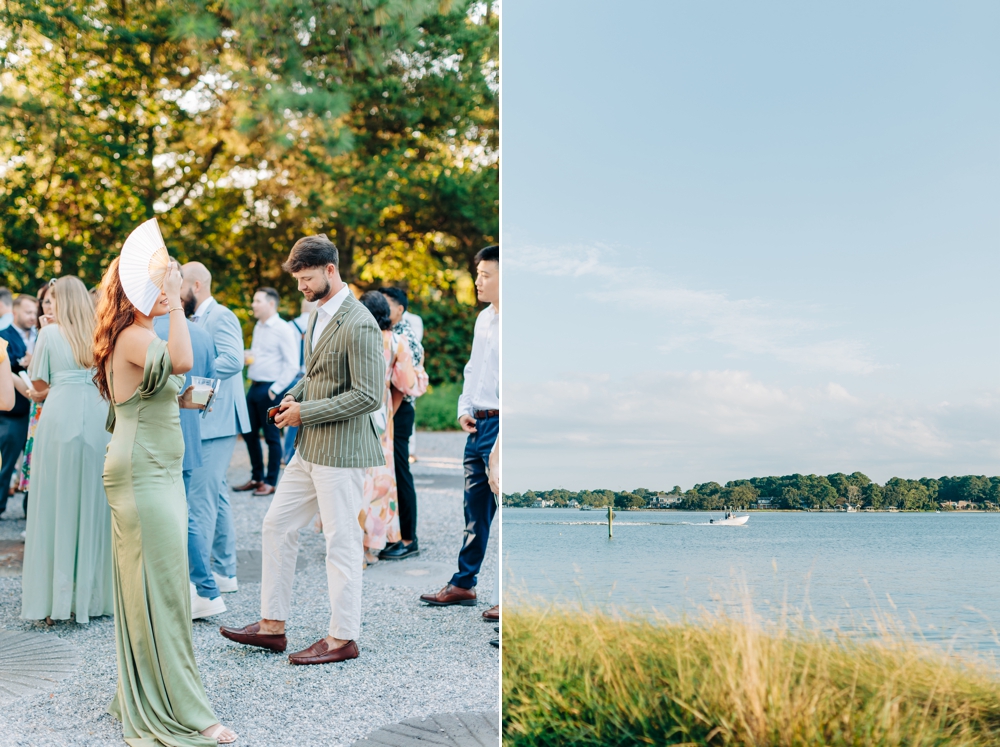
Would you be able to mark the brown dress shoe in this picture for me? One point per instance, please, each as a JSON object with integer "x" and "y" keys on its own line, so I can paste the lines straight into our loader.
{"x": 249, "y": 485}
{"x": 451, "y": 595}
{"x": 251, "y": 636}
{"x": 321, "y": 653}
{"x": 492, "y": 614}
{"x": 264, "y": 489}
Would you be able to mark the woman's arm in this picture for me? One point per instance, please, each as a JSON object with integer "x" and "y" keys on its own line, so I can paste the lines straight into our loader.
{"x": 179, "y": 339}
{"x": 6, "y": 385}
{"x": 19, "y": 385}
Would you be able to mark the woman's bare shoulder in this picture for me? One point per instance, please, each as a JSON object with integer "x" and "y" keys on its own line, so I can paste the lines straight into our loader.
{"x": 134, "y": 341}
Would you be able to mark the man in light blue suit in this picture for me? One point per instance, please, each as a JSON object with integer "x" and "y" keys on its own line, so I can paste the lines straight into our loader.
{"x": 227, "y": 418}
{"x": 199, "y": 546}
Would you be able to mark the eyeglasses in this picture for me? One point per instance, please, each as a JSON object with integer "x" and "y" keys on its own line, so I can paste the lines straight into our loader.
{"x": 52, "y": 282}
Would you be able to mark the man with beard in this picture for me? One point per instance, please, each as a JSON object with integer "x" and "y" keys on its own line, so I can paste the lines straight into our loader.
{"x": 332, "y": 406}
{"x": 208, "y": 494}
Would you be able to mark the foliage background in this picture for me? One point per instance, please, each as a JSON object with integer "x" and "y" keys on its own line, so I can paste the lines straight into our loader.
{"x": 242, "y": 126}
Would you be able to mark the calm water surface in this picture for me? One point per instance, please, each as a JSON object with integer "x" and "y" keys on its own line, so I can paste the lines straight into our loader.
{"x": 938, "y": 574}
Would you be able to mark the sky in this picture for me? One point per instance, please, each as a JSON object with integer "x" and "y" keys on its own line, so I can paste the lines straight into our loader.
{"x": 745, "y": 239}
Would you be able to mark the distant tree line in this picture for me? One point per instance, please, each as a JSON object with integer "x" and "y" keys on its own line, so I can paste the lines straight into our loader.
{"x": 795, "y": 492}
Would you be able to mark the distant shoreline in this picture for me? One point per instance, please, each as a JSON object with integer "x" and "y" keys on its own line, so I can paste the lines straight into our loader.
{"x": 603, "y": 509}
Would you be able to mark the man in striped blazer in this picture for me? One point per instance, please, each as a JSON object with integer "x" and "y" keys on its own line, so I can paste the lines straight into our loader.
{"x": 332, "y": 406}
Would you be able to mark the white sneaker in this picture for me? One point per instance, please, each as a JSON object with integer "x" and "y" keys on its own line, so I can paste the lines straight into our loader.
{"x": 201, "y": 607}
{"x": 226, "y": 584}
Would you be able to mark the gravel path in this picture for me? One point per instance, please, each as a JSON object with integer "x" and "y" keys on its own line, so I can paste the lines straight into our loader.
{"x": 415, "y": 660}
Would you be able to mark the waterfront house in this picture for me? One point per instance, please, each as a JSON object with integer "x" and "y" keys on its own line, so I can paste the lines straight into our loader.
{"x": 664, "y": 500}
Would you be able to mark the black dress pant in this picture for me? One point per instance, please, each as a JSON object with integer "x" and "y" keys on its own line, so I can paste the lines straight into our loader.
{"x": 13, "y": 437}
{"x": 406, "y": 493}
{"x": 258, "y": 403}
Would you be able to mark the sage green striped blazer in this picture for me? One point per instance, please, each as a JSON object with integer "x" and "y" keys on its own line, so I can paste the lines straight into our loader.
{"x": 343, "y": 385}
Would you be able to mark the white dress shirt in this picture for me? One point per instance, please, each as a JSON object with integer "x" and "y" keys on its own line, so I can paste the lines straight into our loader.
{"x": 416, "y": 325}
{"x": 299, "y": 326}
{"x": 481, "y": 388}
{"x": 202, "y": 308}
{"x": 325, "y": 313}
{"x": 275, "y": 350}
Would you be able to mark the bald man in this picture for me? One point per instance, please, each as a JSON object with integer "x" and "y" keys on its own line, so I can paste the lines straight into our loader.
{"x": 208, "y": 497}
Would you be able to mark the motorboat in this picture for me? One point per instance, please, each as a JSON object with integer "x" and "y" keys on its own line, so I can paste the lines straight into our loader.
{"x": 586, "y": 508}
{"x": 730, "y": 520}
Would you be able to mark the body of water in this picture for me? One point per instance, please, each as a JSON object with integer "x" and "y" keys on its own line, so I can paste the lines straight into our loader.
{"x": 938, "y": 574}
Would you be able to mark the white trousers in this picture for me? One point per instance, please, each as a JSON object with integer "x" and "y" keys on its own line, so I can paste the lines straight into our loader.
{"x": 338, "y": 494}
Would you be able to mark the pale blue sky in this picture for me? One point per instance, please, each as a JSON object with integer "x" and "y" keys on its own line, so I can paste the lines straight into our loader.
{"x": 749, "y": 238}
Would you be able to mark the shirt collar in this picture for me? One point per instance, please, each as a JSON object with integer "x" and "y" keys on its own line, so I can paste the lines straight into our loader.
{"x": 271, "y": 320}
{"x": 203, "y": 307}
{"x": 333, "y": 305}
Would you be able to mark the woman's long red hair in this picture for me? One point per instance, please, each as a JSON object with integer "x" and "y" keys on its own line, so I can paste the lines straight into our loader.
{"x": 114, "y": 314}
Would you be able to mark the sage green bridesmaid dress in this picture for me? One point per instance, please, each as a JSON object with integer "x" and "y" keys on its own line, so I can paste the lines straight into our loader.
{"x": 67, "y": 546}
{"x": 160, "y": 697}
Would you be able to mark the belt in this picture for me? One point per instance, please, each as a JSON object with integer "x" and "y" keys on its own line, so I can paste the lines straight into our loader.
{"x": 73, "y": 376}
{"x": 483, "y": 414}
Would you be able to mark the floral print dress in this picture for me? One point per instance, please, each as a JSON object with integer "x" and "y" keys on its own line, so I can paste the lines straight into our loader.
{"x": 380, "y": 515}
{"x": 36, "y": 412}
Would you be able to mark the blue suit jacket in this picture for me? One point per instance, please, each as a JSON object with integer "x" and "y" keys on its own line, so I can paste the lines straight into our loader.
{"x": 15, "y": 351}
{"x": 204, "y": 365}
{"x": 229, "y": 414}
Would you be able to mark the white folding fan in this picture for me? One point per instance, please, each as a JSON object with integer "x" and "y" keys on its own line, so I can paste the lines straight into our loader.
{"x": 143, "y": 265}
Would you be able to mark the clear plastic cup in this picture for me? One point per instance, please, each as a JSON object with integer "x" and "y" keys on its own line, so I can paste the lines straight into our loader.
{"x": 202, "y": 389}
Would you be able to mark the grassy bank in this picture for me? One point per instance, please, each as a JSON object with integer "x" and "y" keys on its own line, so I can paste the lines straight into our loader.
{"x": 585, "y": 678}
{"x": 437, "y": 409}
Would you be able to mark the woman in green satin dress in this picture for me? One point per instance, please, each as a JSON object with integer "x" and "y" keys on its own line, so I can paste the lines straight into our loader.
{"x": 160, "y": 697}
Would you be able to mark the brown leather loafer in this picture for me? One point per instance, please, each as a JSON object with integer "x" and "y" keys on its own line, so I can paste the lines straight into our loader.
{"x": 249, "y": 485}
{"x": 321, "y": 653}
{"x": 451, "y": 595}
{"x": 264, "y": 489}
{"x": 492, "y": 614}
{"x": 251, "y": 636}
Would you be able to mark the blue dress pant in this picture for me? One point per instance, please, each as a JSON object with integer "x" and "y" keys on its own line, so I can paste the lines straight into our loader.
{"x": 210, "y": 519}
{"x": 13, "y": 437}
{"x": 480, "y": 505}
{"x": 406, "y": 492}
{"x": 258, "y": 403}
{"x": 288, "y": 449}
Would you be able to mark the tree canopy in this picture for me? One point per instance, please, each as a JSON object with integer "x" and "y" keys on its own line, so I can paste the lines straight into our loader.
{"x": 244, "y": 125}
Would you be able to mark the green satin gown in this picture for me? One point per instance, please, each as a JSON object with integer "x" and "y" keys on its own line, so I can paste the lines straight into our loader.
{"x": 160, "y": 697}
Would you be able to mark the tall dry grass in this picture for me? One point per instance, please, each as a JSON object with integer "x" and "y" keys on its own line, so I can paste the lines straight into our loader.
{"x": 576, "y": 677}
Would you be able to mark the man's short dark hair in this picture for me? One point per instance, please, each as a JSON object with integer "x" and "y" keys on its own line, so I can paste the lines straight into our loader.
{"x": 24, "y": 299}
{"x": 488, "y": 254}
{"x": 375, "y": 302}
{"x": 312, "y": 251}
{"x": 272, "y": 294}
{"x": 396, "y": 294}
{"x": 6, "y": 297}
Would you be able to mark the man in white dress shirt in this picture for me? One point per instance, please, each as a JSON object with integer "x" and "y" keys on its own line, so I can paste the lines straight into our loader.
{"x": 273, "y": 360}
{"x": 479, "y": 416}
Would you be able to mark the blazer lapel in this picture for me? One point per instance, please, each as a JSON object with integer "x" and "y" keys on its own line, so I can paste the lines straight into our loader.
{"x": 332, "y": 326}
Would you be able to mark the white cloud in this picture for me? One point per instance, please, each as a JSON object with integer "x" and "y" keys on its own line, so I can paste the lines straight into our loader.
{"x": 659, "y": 429}
{"x": 744, "y": 326}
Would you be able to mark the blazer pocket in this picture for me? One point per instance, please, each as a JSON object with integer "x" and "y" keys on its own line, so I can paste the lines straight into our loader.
{"x": 332, "y": 376}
